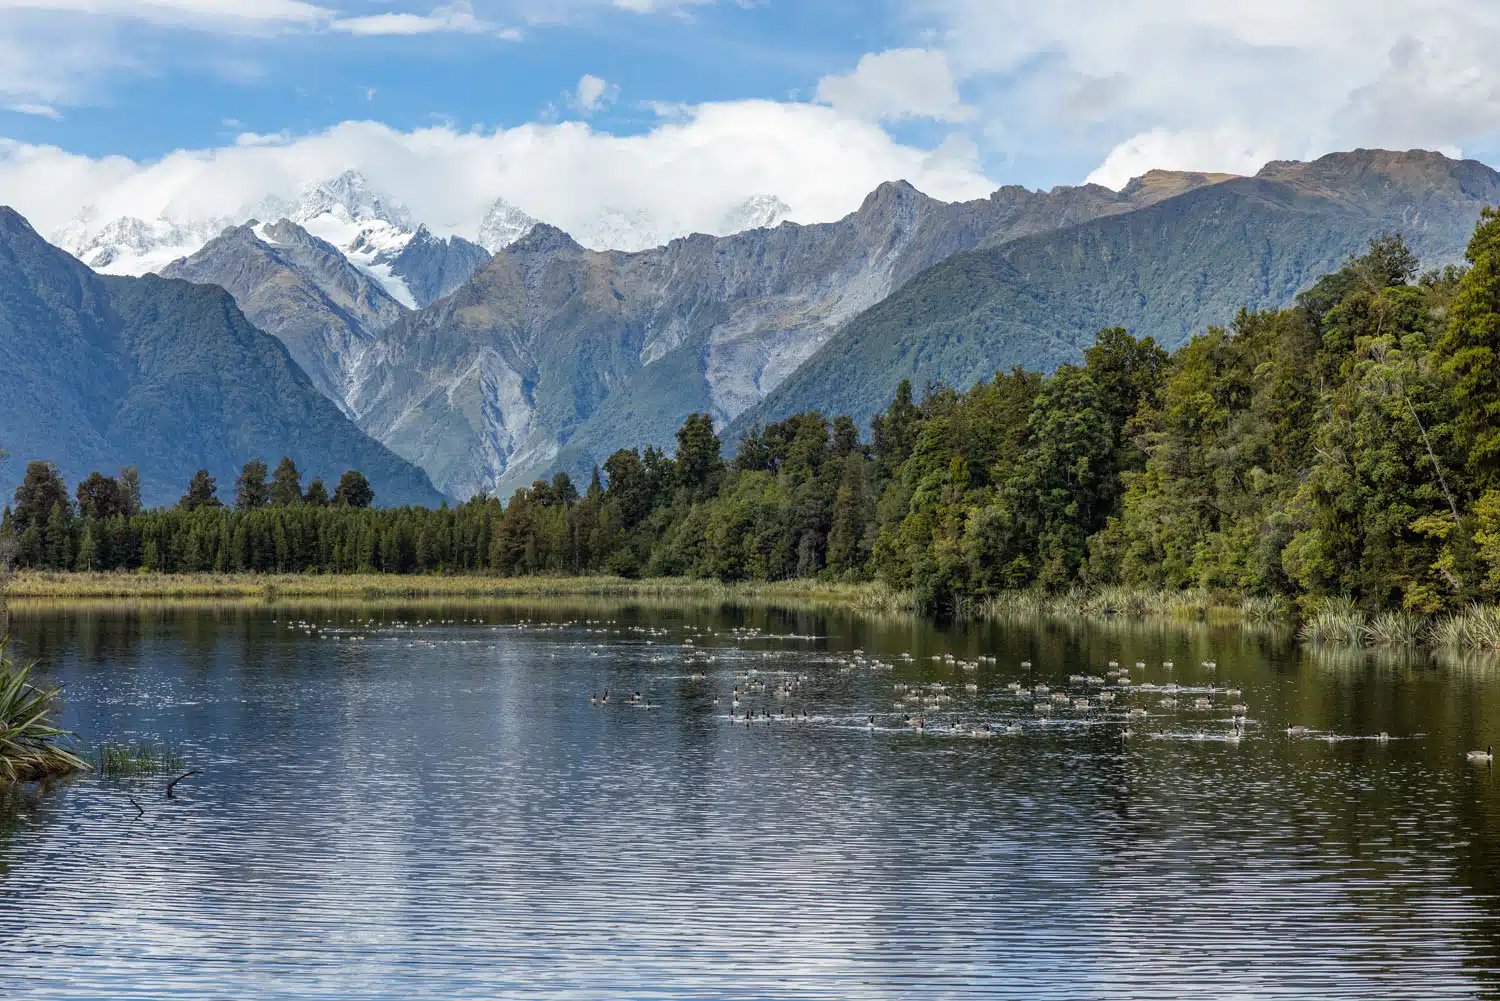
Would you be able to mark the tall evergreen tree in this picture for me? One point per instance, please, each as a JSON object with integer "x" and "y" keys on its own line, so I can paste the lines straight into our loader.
{"x": 129, "y": 479}
{"x": 202, "y": 492}
{"x": 40, "y": 491}
{"x": 353, "y": 490}
{"x": 250, "y": 491}
{"x": 286, "y": 484}
{"x": 100, "y": 497}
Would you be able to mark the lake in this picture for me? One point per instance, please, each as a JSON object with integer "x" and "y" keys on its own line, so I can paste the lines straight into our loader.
{"x": 422, "y": 802}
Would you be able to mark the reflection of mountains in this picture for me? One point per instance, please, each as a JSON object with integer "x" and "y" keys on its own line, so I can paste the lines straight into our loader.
{"x": 445, "y": 803}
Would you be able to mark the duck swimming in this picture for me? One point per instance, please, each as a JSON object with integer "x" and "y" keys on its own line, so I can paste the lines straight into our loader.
{"x": 1488, "y": 754}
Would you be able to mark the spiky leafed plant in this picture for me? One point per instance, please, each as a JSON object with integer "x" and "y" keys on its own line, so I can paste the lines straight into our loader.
{"x": 29, "y": 747}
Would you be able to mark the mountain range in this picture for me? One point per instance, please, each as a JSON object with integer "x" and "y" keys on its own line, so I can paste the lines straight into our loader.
{"x": 494, "y": 361}
{"x": 101, "y": 371}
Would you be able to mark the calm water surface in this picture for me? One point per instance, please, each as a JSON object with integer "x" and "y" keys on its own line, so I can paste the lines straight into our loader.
{"x": 422, "y": 803}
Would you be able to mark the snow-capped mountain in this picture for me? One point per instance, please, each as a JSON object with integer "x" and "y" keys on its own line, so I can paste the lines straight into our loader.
{"x": 503, "y": 225}
{"x": 370, "y": 228}
{"x": 131, "y": 246}
{"x": 756, "y": 212}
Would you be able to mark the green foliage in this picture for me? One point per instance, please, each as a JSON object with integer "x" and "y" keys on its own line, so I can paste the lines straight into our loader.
{"x": 202, "y": 492}
{"x": 29, "y": 747}
{"x": 250, "y": 490}
{"x": 353, "y": 490}
{"x": 1329, "y": 456}
{"x": 286, "y": 484}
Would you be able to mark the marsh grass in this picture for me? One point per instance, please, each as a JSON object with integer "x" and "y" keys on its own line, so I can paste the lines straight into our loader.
{"x": 123, "y": 761}
{"x": 382, "y": 587}
{"x": 1107, "y": 602}
{"x": 30, "y": 746}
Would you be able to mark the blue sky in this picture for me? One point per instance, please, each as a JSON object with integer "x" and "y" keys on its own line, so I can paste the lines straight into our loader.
{"x": 150, "y": 106}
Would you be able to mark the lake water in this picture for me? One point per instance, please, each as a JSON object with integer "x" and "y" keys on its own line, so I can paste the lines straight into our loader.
{"x": 422, "y": 803}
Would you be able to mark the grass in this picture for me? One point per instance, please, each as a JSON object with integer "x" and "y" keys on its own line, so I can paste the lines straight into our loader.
{"x": 374, "y": 587}
{"x": 30, "y": 747}
{"x": 125, "y": 761}
{"x": 1193, "y": 605}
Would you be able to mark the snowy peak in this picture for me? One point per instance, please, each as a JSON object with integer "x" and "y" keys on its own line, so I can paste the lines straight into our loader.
{"x": 131, "y": 246}
{"x": 350, "y": 199}
{"x": 755, "y": 212}
{"x": 503, "y": 225}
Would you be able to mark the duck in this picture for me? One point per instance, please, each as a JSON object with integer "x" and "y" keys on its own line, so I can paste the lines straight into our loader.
{"x": 1295, "y": 731}
{"x": 869, "y": 722}
{"x": 1488, "y": 754}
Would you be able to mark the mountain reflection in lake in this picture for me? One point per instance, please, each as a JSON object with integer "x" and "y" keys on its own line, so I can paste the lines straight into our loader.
{"x": 412, "y": 802}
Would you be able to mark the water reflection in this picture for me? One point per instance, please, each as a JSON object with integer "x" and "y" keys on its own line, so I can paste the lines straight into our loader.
{"x": 415, "y": 801}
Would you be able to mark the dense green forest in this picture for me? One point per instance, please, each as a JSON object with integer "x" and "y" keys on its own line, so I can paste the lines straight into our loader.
{"x": 1348, "y": 445}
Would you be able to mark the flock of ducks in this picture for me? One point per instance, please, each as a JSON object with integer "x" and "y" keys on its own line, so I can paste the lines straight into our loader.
{"x": 915, "y": 702}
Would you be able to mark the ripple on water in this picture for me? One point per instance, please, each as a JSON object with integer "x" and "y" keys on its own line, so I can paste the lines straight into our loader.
{"x": 437, "y": 810}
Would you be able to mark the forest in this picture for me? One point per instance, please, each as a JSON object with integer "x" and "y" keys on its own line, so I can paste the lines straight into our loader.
{"x": 1348, "y": 445}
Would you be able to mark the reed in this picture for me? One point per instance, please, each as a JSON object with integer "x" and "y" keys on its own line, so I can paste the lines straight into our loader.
{"x": 30, "y": 746}
{"x": 1335, "y": 620}
{"x": 131, "y": 761}
{"x": 1395, "y": 629}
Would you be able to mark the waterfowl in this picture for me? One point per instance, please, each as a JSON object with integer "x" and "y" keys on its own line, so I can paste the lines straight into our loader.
{"x": 1488, "y": 754}
{"x": 869, "y": 722}
{"x": 1382, "y": 736}
{"x": 1295, "y": 731}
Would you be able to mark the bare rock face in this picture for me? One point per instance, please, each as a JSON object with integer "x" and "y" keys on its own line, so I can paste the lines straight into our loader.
{"x": 300, "y": 289}
{"x": 556, "y": 354}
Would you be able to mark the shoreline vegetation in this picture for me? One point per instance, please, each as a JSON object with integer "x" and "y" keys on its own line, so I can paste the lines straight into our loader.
{"x": 30, "y": 746}
{"x": 1327, "y": 622}
{"x": 1334, "y": 465}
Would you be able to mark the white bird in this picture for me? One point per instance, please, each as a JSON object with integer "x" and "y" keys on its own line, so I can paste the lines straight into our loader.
{"x": 1488, "y": 754}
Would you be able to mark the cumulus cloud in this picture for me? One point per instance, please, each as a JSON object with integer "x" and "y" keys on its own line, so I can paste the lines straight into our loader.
{"x": 593, "y": 93}
{"x": 1214, "y": 85}
{"x": 897, "y": 84}
{"x": 684, "y": 174}
{"x": 1228, "y": 149}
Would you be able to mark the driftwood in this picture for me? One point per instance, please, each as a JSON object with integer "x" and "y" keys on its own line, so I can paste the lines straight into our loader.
{"x": 179, "y": 778}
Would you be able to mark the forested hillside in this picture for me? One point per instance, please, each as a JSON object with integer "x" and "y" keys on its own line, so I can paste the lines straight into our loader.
{"x": 1346, "y": 445}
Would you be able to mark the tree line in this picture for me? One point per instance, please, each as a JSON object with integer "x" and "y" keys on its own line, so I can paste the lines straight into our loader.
{"x": 1346, "y": 445}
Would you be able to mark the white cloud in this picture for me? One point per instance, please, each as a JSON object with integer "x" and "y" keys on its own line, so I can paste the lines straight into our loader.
{"x": 458, "y": 17}
{"x": 593, "y": 93}
{"x": 1228, "y": 149}
{"x": 183, "y": 11}
{"x": 39, "y": 110}
{"x": 897, "y": 84}
{"x": 1213, "y": 84}
{"x": 684, "y": 174}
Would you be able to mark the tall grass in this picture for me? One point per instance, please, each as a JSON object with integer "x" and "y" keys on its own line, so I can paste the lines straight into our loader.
{"x": 30, "y": 747}
{"x": 1474, "y": 628}
{"x": 1396, "y": 629}
{"x": 125, "y": 761}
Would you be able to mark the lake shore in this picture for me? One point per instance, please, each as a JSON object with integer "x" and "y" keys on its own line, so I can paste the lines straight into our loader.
{"x": 367, "y": 587}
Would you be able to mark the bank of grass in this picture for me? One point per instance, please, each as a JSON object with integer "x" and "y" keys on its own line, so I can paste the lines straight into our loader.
{"x": 31, "y": 747}
{"x": 384, "y": 587}
{"x": 1110, "y": 602}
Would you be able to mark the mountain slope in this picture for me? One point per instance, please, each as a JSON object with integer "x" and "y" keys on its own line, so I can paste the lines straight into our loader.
{"x": 554, "y": 354}
{"x": 98, "y": 372}
{"x": 1166, "y": 271}
{"x": 300, "y": 288}
{"x": 432, "y": 267}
